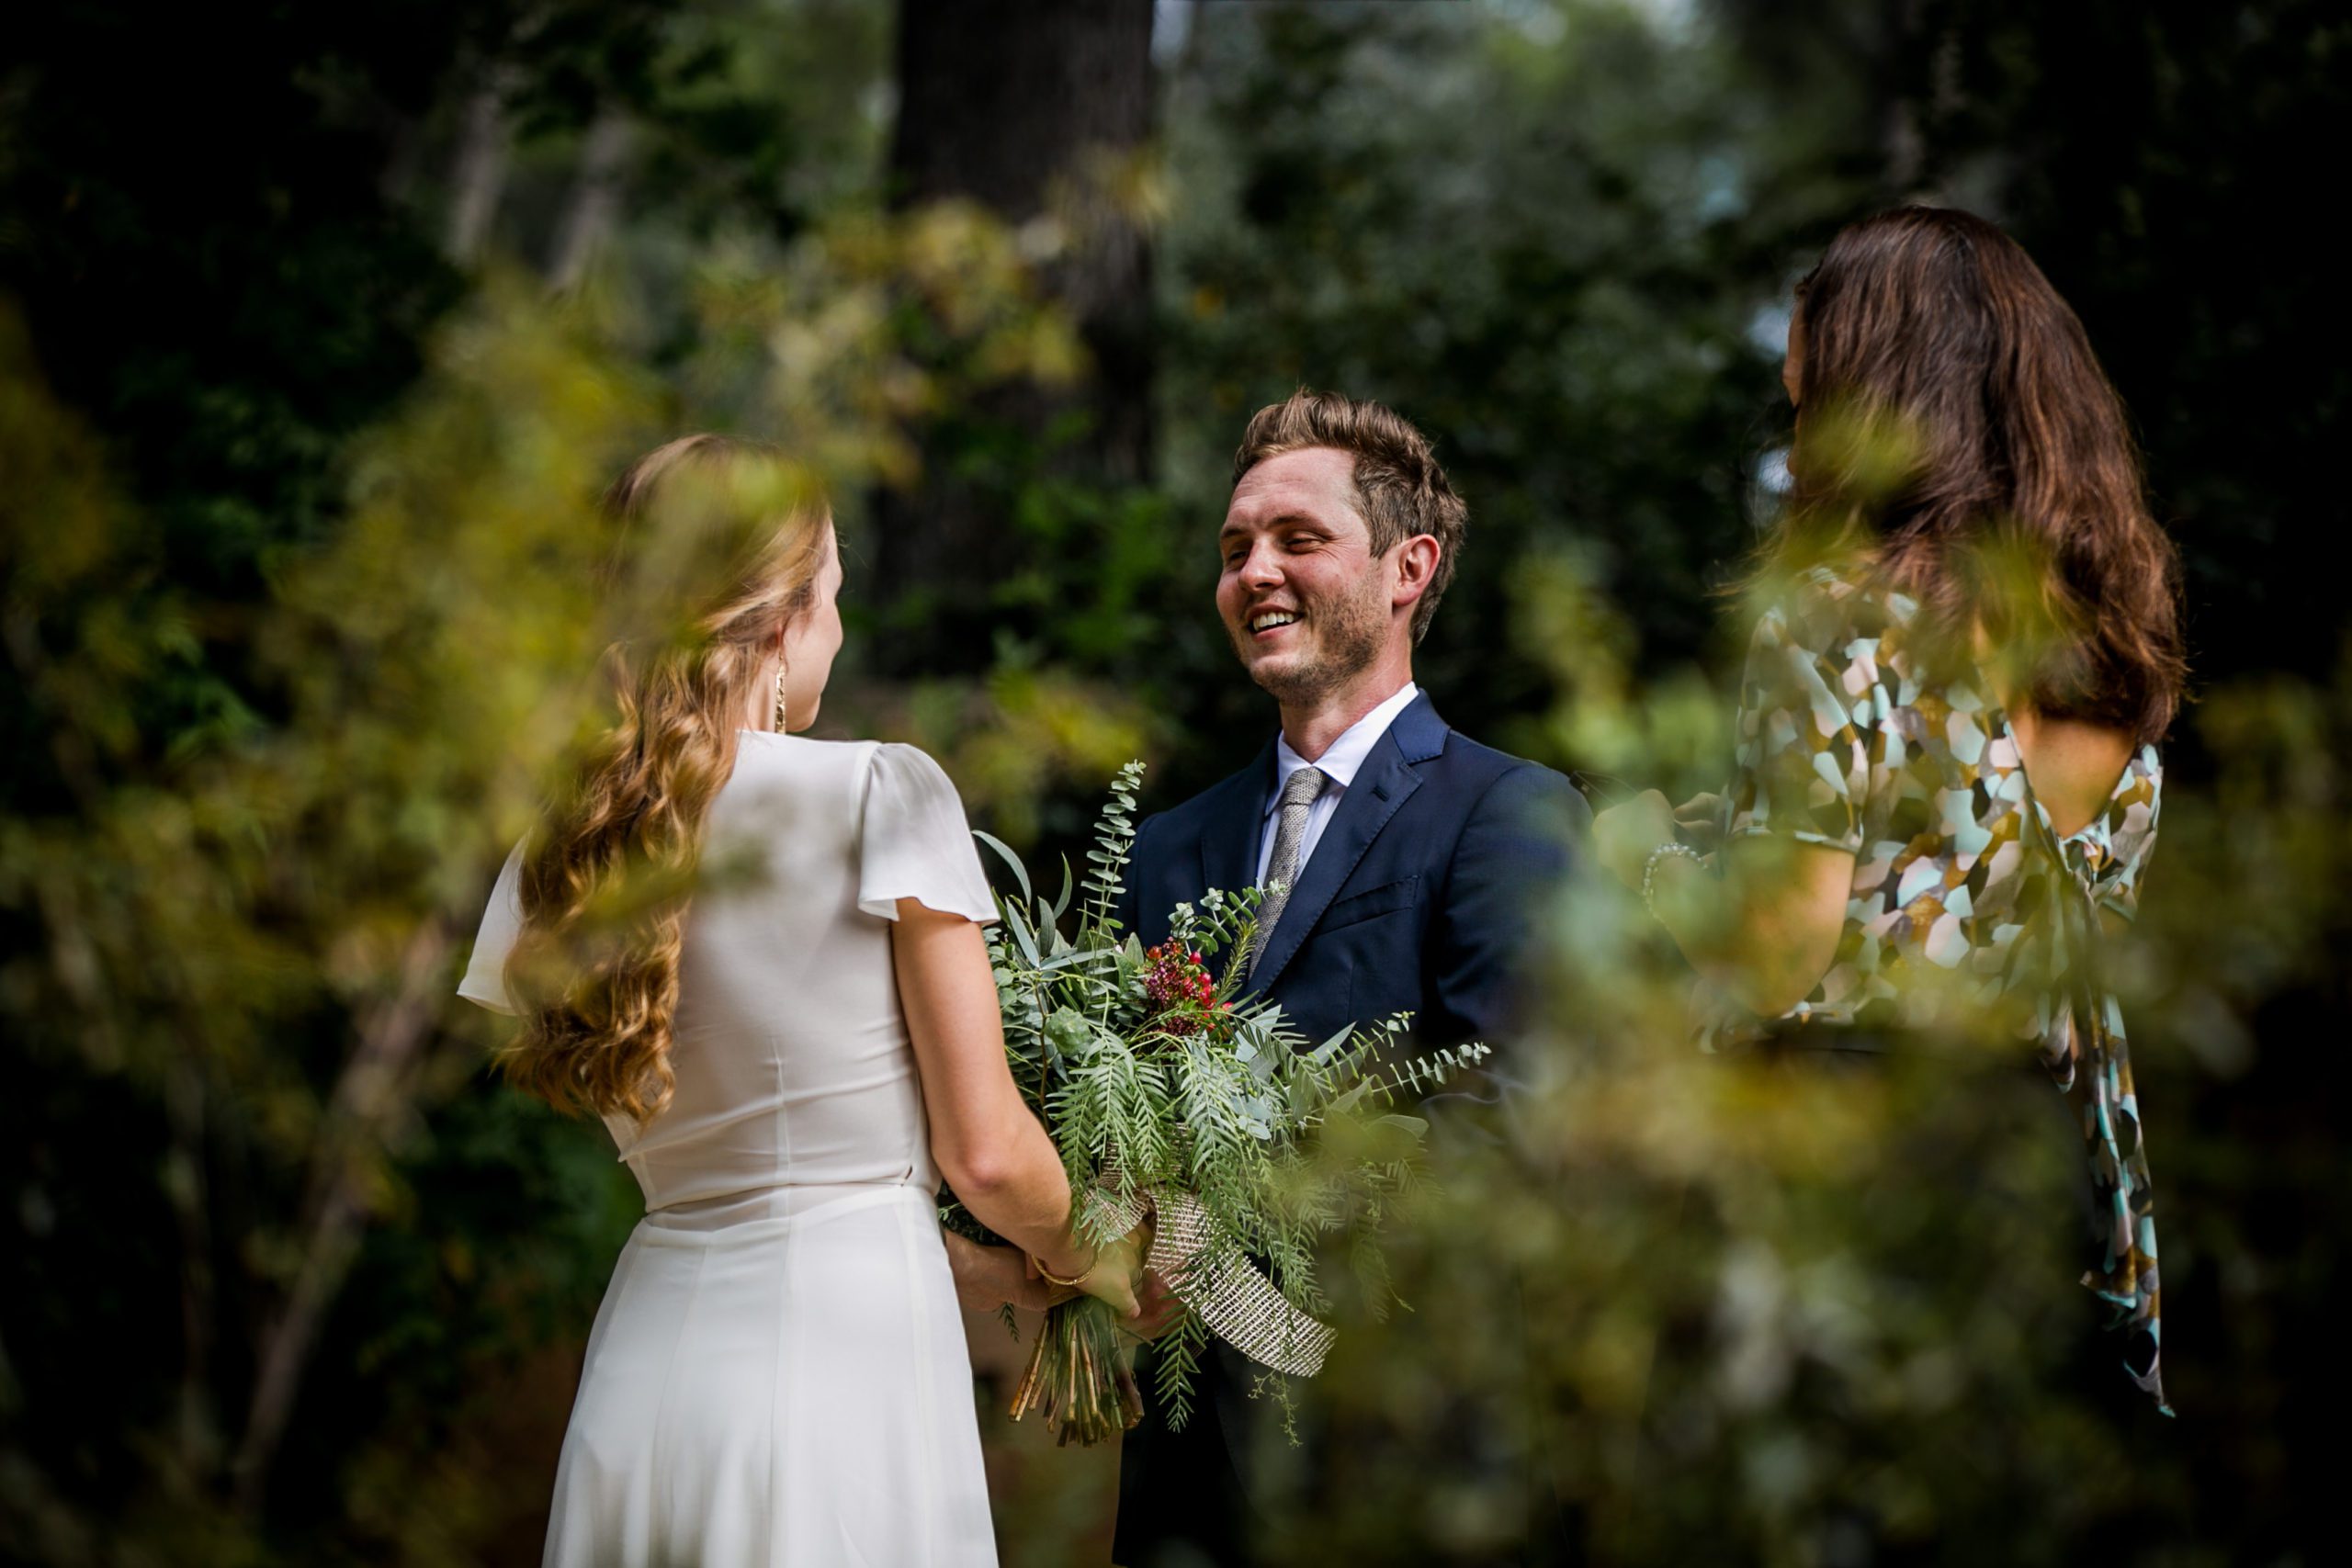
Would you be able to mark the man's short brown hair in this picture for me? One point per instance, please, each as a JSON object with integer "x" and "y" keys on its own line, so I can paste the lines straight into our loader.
{"x": 1400, "y": 490}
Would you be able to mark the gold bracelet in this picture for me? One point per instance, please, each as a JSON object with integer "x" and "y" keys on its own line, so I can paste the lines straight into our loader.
{"x": 1053, "y": 1279}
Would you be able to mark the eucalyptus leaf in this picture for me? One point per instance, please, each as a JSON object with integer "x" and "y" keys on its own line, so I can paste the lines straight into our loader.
{"x": 1020, "y": 934}
{"x": 1004, "y": 853}
{"x": 1322, "y": 1054}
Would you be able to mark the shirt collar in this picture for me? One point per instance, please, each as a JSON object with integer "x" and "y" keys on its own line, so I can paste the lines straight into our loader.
{"x": 1345, "y": 757}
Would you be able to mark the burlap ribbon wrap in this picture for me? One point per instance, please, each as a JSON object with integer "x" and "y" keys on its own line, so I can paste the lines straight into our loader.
{"x": 1210, "y": 1273}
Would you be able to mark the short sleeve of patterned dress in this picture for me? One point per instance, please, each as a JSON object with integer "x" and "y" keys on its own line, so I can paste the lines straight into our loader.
{"x": 1801, "y": 758}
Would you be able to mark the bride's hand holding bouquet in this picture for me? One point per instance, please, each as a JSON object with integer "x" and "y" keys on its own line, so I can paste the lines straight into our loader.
{"x": 1177, "y": 1103}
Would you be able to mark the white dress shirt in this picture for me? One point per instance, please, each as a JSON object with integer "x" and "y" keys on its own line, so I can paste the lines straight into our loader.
{"x": 1341, "y": 763}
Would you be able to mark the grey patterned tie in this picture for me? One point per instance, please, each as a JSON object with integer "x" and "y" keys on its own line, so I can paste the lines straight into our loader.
{"x": 1299, "y": 794}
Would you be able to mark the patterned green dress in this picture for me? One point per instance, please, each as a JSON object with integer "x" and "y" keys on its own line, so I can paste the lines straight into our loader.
{"x": 1966, "y": 904}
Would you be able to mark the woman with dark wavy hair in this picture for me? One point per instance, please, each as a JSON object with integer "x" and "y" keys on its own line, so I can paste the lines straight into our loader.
{"x": 758, "y": 958}
{"x": 1968, "y": 645}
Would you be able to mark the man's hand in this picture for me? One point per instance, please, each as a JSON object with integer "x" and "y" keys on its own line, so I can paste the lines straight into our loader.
{"x": 988, "y": 1276}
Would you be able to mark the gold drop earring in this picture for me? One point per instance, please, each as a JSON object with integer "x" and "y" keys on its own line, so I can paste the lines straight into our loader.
{"x": 781, "y": 668}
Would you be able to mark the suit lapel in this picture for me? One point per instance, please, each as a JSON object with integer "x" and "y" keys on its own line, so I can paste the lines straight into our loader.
{"x": 1387, "y": 778}
{"x": 1229, "y": 837}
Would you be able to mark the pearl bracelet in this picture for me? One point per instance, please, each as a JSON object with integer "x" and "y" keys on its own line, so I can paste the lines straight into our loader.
{"x": 1668, "y": 850}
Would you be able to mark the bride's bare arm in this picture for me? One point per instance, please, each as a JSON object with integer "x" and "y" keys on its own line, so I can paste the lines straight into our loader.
{"x": 990, "y": 1147}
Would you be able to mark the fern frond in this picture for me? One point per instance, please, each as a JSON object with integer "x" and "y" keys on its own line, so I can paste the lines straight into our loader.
{"x": 1114, "y": 837}
{"x": 1278, "y": 1387}
{"x": 1177, "y": 1368}
{"x": 1418, "y": 1076}
{"x": 1372, "y": 1278}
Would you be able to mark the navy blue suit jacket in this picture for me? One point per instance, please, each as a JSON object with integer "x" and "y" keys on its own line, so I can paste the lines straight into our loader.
{"x": 1417, "y": 899}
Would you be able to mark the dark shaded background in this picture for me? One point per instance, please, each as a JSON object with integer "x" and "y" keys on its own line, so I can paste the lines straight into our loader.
{"x": 1558, "y": 234}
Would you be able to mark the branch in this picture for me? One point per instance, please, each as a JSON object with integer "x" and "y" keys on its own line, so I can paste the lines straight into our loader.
{"x": 372, "y": 1091}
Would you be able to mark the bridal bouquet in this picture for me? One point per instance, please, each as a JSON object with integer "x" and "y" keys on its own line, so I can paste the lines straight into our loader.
{"x": 1170, "y": 1096}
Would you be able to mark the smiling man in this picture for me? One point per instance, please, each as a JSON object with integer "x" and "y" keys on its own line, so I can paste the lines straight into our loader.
{"x": 1399, "y": 857}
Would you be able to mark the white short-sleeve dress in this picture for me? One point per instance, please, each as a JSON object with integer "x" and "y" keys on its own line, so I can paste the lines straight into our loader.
{"x": 778, "y": 1372}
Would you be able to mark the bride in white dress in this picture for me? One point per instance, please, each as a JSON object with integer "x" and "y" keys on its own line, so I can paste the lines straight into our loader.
{"x": 789, "y": 1063}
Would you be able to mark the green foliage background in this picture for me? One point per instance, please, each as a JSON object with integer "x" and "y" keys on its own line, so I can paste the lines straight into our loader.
{"x": 296, "y": 528}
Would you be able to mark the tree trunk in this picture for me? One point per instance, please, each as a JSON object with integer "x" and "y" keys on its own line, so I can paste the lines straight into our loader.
{"x": 592, "y": 211}
{"x": 481, "y": 175}
{"x": 197, "y": 1432}
{"x": 1013, "y": 104}
{"x": 375, "y": 1089}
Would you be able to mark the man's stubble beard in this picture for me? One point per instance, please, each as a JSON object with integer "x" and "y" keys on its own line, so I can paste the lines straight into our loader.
{"x": 1349, "y": 637}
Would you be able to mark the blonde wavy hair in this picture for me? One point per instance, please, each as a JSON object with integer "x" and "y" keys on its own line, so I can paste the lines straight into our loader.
{"x": 606, "y": 879}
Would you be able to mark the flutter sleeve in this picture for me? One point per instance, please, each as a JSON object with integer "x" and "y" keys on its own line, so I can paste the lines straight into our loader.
{"x": 1801, "y": 767}
{"x": 502, "y": 922}
{"x": 915, "y": 842}
{"x": 2130, "y": 823}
